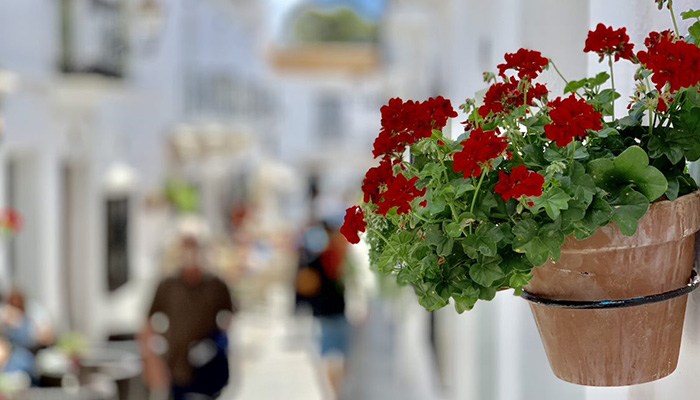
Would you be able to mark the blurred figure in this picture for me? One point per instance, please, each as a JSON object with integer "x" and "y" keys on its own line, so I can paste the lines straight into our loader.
{"x": 320, "y": 286}
{"x": 22, "y": 335}
{"x": 185, "y": 340}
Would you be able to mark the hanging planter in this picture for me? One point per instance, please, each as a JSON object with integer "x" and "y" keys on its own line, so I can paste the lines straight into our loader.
{"x": 610, "y": 312}
{"x": 590, "y": 215}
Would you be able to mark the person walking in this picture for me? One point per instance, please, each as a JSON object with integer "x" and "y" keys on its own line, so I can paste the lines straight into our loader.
{"x": 185, "y": 340}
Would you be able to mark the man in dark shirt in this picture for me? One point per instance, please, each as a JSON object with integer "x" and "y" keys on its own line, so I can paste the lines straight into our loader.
{"x": 187, "y": 326}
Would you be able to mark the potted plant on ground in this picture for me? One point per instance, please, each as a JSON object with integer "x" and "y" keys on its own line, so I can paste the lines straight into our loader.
{"x": 590, "y": 215}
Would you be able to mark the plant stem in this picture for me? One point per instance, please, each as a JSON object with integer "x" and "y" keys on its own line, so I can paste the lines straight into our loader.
{"x": 612, "y": 81}
{"x": 562, "y": 76}
{"x": 652, "y": 117}
{"x": 673, "y": 17}
{"x": 476, "y": 192}
{"x": 573, "y": 155}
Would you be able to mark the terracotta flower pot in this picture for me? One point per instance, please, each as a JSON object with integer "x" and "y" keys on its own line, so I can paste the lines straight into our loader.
{"x": 619, "y": 346}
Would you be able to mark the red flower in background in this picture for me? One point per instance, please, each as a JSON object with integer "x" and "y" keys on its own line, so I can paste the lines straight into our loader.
{"x": 354, "y": 224}
{"x": 607, "y": 41}
{"x": 11, "y": 220}
{"x": 676, "y": 63}
{"x": 404, "y": 123}
{"x": 521, "y": 182}
{"x": 480, "y": 148}
{"x": 376, "y": 179}
{"x": 528, "y": 63}
{"x": 400, "y": 192}
{"x": 506, "y": 96}
{"x": 571, "y": 118}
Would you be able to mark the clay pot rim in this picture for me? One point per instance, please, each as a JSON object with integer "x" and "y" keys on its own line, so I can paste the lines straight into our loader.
{"x": 655, "y": 208}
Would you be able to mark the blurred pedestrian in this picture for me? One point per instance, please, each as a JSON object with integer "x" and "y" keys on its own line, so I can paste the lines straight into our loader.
{"x": 185, "y": 340}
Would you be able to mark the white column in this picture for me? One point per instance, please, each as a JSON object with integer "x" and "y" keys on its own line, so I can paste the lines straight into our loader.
{"x": 49, "y": 209}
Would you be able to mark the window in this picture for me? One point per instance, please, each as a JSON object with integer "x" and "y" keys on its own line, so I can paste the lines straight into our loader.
{"x": 330, "y": 117}
{"x": 117, "y": 243}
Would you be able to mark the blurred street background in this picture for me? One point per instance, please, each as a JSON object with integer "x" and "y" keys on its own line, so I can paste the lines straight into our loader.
{"x": 127, "y": 125}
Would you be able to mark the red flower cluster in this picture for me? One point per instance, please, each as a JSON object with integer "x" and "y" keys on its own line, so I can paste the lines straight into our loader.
{"x": 376, "y": 180}
{"x": 354, "y": 224}
{"x": 571, "y": 118}
{"x": 676, "y": 63}
{"x": 607, "y": 41}
{"x": 521, "y": 182}
{"x": 405, "y": 123}
{"x": 387, "y": 191}
{"x": 506, "y": 96}
{"x": 528, "y": 63}
{"x": 480, "y": 148}
{"x": 400, "y": 192}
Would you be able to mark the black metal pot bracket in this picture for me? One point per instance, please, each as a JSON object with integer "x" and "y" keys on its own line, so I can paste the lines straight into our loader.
{"x": 622, "y": 303}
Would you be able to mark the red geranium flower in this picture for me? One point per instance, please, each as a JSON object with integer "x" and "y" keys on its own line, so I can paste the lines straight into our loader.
{"x": 607, "y": 41}
{"x": 404, "y": 124}
{"x": 480, "y": 148}
{"x": 521, "y": 182}
{"x": 354, "y": 224}
{"x": 400, "y": 192}
{"x": 528, "y": 63}
{"x": 376, "y": 179}
{"x": 571, "y": 118}
{"x": 676, "y": 63}
{"x": 506, "y": 96}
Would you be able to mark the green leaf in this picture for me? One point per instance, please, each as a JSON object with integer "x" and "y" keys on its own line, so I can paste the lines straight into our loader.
{"x": 690, "y": 14}
{"x": 453, "y": 229}
{"x": 598, "y": 214}
{"x": 485, "y": 203}
{"x": 484, "y": 240}
{"x": 461, "y": 186}
{"x": 694, "y": 32}
{"x": 538, "y": 243}
{"x": 599, "y": 79}
{"x": 607, "y": 132}
{"x": 485, "y": 273}
{"x": 553, "y": 201}
{"x": 406, "y": 276}
{"x": 686, "y": 134}
{"x": 552, "y": 155}
{"x": 487, "y": 293}
{"x": 387, "y": 261}
{"x": 429, "y": 299}
{"x": 534, "y": 157}
{"x": 444, "y": 248}
{"x": 673, "y": 188}
{"x": 519, "y": 280}
{"x": 632, "y": 166}
{"x": 465, "y": 303}
{"x": 628, "y": 208}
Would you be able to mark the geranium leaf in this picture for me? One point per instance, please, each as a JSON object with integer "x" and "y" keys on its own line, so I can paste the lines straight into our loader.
{"x": 694, "y": 31}
{"x": 465, "y": 303}
{"x": 630, "y": 167}
{"x": 485, "y": 273}
{"x": 690, "y": 14}
{"x": 633, "y": 165}
{"x": 519, "y": 280}
{"x": 628, "y": 207}
{"x": 598, "y": 214}
{"x": 538, "y": 243}
{"x": 553, "y": 201}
